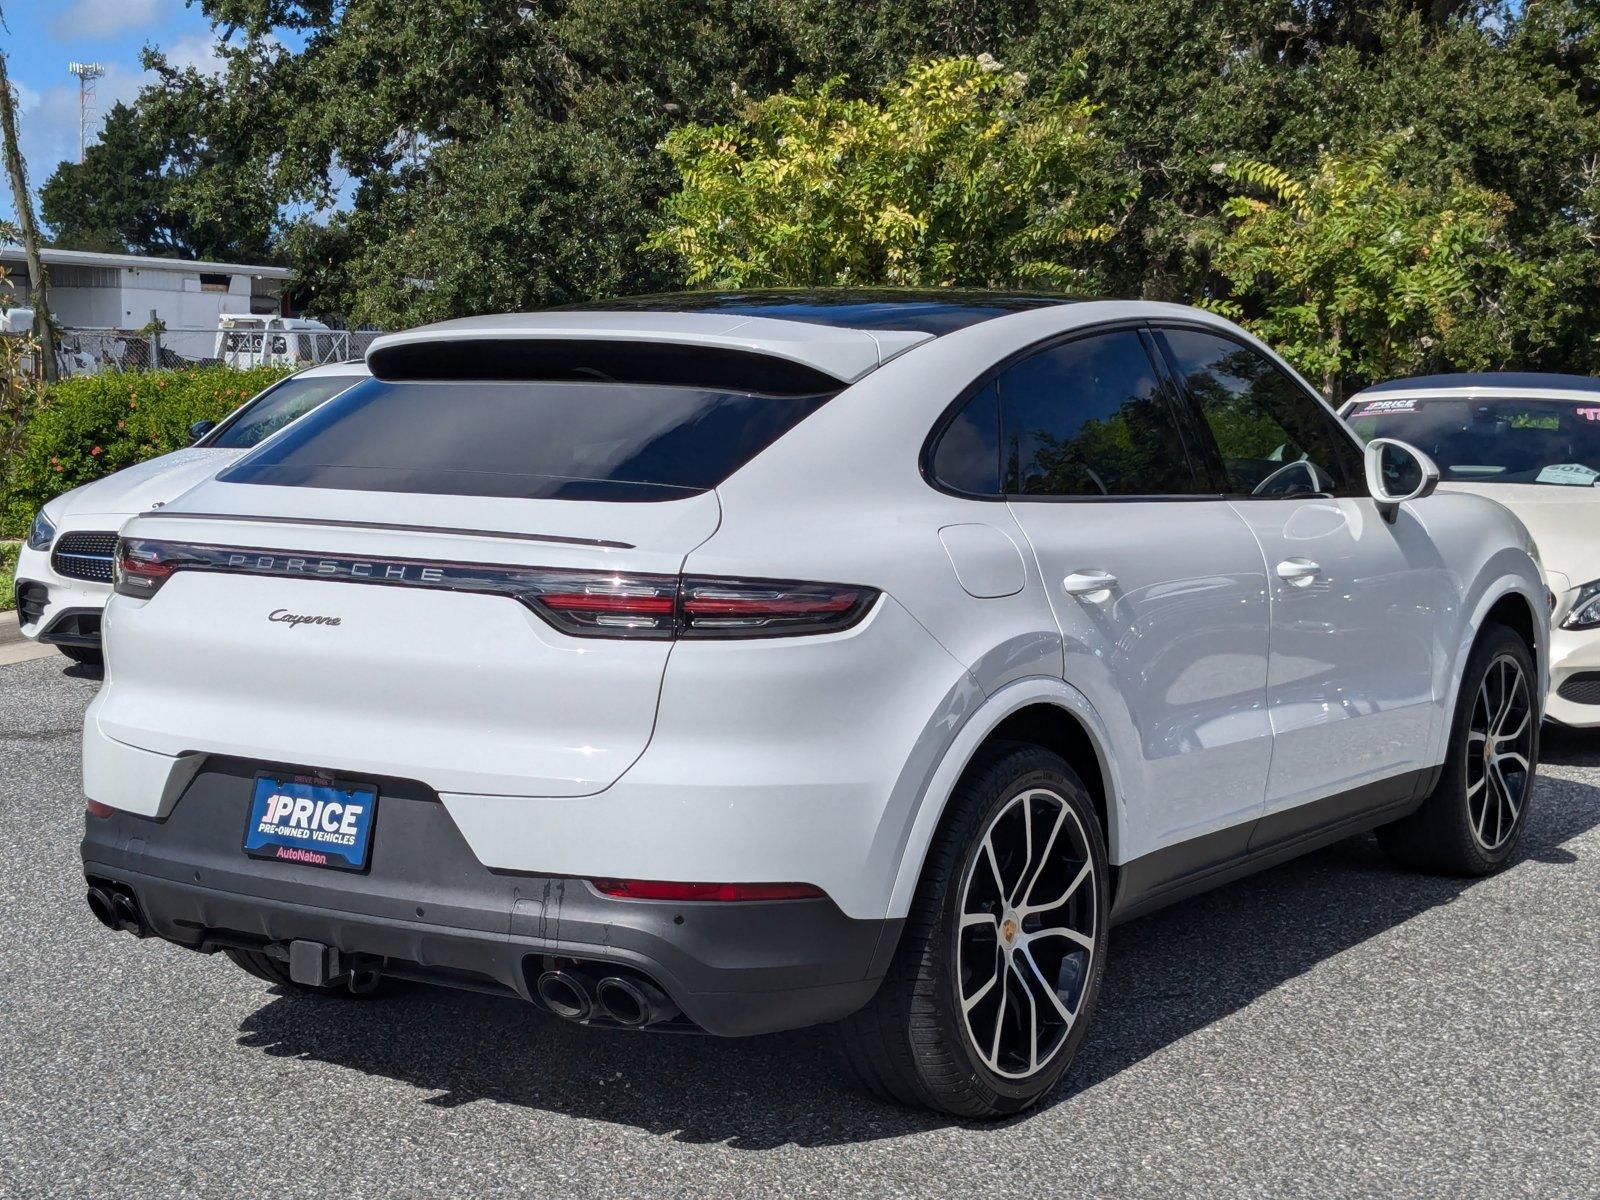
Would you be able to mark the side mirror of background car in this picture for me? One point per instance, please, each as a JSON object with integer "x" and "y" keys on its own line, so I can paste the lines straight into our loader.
{"x": 1397, "y": 472}
{"x": 199, "y": 429}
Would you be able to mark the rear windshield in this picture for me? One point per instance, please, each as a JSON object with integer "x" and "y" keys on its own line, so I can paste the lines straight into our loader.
{"x": 1492, "y": 440}
{"x": 275, "y": 408}
{"x": 531, "y": 440}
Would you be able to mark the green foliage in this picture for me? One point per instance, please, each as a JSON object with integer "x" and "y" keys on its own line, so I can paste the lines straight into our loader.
{"x": 152, "y": 184}
{"x": 1356, "y": 273}
{"x": 86, "y": 428}
{"x": 8, "y": 574}
{"x": 958, "y": 176}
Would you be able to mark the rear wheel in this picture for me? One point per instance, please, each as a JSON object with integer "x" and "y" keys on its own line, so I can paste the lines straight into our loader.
{"x": 999, "y": 967}
{"x": 1473, "y": 821}
{"x": 276, "y": 971}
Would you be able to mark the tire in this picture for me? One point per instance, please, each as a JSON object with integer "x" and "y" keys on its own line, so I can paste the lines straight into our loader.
{"x": 1472, "y": 822}
{"x": 276, "y": 971}
{"x": 916, "y": 1043}
{"x": 88, "y": 656}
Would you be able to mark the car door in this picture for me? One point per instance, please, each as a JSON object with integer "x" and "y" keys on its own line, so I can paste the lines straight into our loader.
{"x": 1355, "y": 599}
{"x": 1159, "y": 590}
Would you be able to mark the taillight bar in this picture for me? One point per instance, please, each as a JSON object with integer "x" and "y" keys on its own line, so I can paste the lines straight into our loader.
{"x": 608, "y": 604}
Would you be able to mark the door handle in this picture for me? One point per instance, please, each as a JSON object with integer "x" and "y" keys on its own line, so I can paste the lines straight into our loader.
{"x": 1298, "y": 571}
{"x": 1086, "y": 583}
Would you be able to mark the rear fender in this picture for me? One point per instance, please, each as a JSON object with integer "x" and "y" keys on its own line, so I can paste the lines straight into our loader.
{"x": 983, "y": 721}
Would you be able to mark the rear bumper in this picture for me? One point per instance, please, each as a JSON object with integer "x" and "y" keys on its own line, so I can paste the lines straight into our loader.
{"x": 432, "y": 911}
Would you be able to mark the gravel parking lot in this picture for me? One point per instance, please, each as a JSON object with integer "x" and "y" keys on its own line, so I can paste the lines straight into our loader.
{"x": 1330, "y": 1028}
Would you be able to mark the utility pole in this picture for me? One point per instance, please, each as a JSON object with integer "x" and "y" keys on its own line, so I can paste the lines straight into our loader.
{"x": 37, "y": 275}
{"x": 87, "y": 73}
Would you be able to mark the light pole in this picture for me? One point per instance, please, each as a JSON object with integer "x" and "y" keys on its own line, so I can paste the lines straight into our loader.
{"x": 87, "y": 73}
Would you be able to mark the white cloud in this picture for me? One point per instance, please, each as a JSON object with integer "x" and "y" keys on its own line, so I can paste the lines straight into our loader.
{"x": 197, "y": 50}
{"x": 102, "y": 18}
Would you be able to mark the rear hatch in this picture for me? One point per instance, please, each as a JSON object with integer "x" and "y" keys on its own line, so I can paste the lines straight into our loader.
{"x": 448, "y": 581}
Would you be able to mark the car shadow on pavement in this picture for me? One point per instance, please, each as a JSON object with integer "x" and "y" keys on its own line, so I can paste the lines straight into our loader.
{"x": 1165, "y": 979}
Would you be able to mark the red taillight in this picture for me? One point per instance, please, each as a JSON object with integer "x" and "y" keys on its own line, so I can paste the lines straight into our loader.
{"x": 768, "y": 607}
{"x": 606, "y": 605}
{"x": 143, "y": 566}
{"x": 655, "y": 889}
{"x": 698, "y": 607}
{"x": 95, "y": 809}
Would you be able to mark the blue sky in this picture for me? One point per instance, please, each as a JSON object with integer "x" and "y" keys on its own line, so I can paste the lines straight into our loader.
{"x": 45, "y": 35}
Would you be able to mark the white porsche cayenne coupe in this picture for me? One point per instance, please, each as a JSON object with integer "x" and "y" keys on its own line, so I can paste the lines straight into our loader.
{"x": 739, "y": 662}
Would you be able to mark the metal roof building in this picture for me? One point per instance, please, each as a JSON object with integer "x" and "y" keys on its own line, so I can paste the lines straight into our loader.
{"x": 120, "y": 291}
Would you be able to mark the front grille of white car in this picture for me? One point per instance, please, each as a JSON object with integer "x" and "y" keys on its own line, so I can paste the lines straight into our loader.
{"x": 85, "y": 554}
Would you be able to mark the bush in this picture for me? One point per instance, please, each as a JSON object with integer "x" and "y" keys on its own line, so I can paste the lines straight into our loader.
{"x": 8, "y": 574}
{"x": 86, "y": 428}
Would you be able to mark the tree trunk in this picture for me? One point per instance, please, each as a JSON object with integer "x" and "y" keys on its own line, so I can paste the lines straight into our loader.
{"x": 38, "y": 278}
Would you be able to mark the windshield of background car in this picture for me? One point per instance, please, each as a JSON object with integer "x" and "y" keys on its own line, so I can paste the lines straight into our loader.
{"x": 275, "y": 408}
{"x": 1478, "y": 440}
{"x": 526, "y": 439}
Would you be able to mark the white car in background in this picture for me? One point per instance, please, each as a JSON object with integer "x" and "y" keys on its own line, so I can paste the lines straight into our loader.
{"x": 742, "y": 662}
{"x": 64, "y": 569}
{"x": 1532, "y": 442}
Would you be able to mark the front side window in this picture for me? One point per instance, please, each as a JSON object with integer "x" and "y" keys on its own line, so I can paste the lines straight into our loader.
{"x": 527, "y": 439}
{"x": 1273, "y": 437}
{"x": 1089, "y": 417}
{"x": 1492, "y": 440}
{"x": 274, "y": 409}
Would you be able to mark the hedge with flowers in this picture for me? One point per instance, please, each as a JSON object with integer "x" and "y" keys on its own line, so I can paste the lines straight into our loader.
{"x": 85, "y": 428}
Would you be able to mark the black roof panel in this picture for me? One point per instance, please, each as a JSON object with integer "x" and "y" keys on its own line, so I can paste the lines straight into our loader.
{"x": 1532, "y": 380}
{"x": 926, "y": 311}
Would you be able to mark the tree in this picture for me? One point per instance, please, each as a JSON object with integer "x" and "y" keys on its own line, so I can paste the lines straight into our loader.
{"x": 1357, "y": 274}
{"x": 957, "y": 176}
{"x": 165, "y": 178}
{"x": 26, "y": 232}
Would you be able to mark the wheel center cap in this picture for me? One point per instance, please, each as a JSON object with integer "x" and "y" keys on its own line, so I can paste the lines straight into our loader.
{"x": 1008, "y": 930}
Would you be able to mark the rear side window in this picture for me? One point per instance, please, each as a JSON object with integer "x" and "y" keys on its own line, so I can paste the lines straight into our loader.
{"x": 274, "y": 409}
{"x": 967, "y": 458}
{"x": 1089, "y": 418}
{"x": 1273, "y": 437}
{"x": 602, "y": 440}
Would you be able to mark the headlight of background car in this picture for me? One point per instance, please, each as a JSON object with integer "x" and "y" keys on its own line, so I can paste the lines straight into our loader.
{"x": 1585, "y": 612}
{"x": 41, "y": 533}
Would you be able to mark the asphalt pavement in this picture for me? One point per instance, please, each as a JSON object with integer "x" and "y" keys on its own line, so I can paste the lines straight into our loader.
{"x": 1331, "y": 1028}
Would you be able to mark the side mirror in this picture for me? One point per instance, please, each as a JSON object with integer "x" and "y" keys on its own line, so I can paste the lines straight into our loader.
{"x": 1397, "y": 472}
{"x": 199, "y": 429}
{"x": 16, "y": 320}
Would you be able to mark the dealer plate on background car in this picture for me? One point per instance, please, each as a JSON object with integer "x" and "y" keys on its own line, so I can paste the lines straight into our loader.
{"x": 306, "y": 819}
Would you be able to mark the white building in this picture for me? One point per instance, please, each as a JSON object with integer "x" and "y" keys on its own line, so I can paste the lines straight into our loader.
{"x": 119, "y": 291}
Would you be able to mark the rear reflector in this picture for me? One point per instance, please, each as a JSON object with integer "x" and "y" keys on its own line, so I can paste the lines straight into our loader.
{"x": 653, "y": 889}
{"x": 606, "y": 604}
{"x": 95, "y": 809}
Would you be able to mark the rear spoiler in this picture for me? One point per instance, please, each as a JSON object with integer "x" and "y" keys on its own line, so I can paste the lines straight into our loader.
{"x": 687, "y": 349}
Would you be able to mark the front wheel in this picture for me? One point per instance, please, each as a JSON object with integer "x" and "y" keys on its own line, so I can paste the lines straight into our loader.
{"x": 1472, "y": 822}
{"x": 87, "y": 656}
{"x": 999, "y": 967}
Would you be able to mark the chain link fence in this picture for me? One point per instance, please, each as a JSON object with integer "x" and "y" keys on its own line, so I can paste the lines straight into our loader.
{"x": 93, "y": 351}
